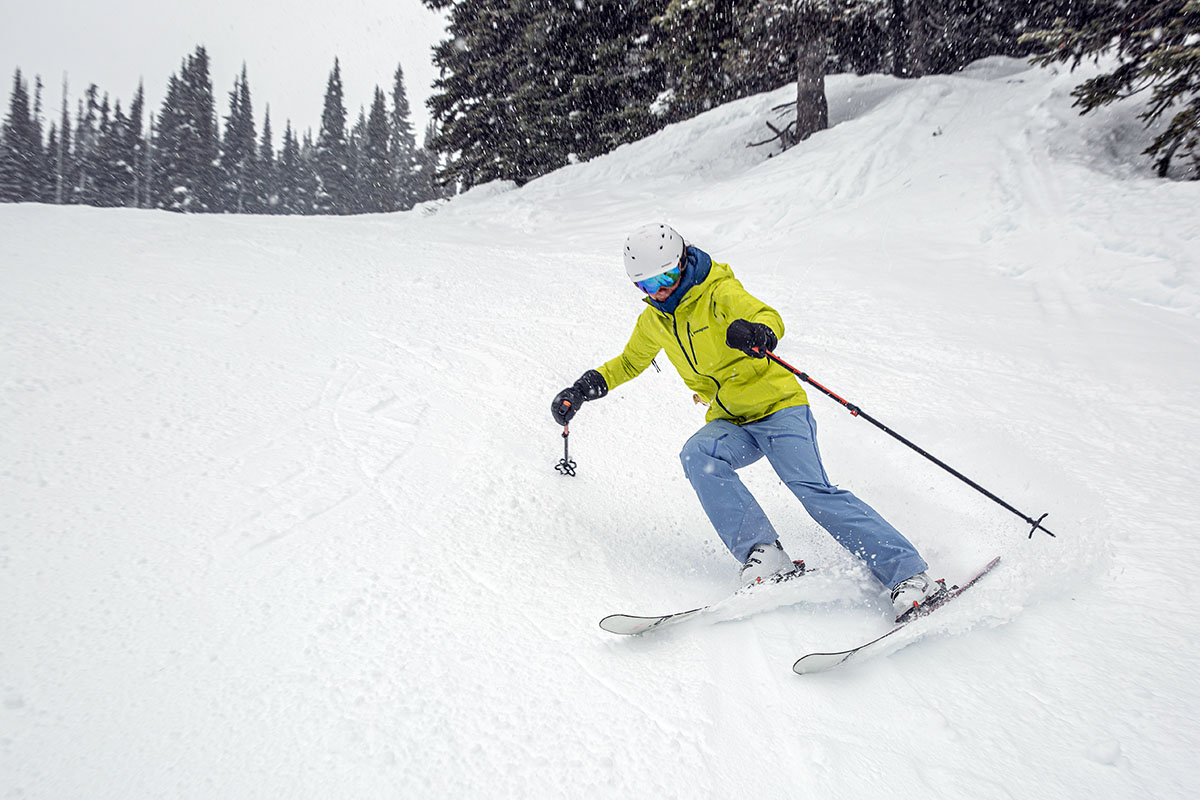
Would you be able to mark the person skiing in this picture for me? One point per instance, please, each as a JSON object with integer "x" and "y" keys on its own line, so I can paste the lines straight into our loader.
{"x": 715, "y": 334}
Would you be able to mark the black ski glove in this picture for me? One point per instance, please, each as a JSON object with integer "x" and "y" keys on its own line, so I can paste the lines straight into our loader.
{"x": 590, "y": 386}
{"x": 745, "y": 336}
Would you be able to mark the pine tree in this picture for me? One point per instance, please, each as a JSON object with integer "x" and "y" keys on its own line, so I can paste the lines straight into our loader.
{"x": 20, "y": 148}
{"x": 87, "y": 140}
{"x": 425, "y": 184}
{"x": 266, "y": 188}
{"x": 238, "y": 151}
{"x": 51, "y": 159}
{"x": 291, "y": 200}
{"x": 483, "y": 124}
{"x": 332, "y": 155}
{"x": 135, "y": 149}
{"x": 604, "y": 74}
{"x": 1158, "y": 49}
{"x": 62, "y": 154}
{"x": 528, "y": 87}
{"x": 168, "y": 176}
{"x": 310, "y": 181}
{"x": 112, "y": 163}
{"x": 43, "y": 189}
{"x": 186, "y": 164}
{"x": 693, "y": 39}
{"x": 375, "y": 172}
{"x": 860, "y": 36}
{"x": 356, "y": 154}
{"x": 203, "y": 145}
{"x": 402, "y": 147}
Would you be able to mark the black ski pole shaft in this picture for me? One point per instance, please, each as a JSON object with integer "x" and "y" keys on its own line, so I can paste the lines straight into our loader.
{"x": 566, "y": 466}
{"x": 858, "y": 412}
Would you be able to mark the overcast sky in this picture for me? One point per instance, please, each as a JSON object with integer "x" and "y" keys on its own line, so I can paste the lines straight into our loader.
{"x": 288, "y": 49}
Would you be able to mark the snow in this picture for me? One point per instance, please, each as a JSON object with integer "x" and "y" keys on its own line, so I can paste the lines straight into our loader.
{"x": 280, "y": 517}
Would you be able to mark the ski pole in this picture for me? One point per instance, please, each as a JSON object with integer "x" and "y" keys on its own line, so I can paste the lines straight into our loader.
{"x": 566, "y": 466}
{"x": 858, "y": 412}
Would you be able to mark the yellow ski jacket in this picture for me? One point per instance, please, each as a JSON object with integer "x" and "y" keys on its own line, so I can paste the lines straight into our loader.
{"x": 690, "y": 326}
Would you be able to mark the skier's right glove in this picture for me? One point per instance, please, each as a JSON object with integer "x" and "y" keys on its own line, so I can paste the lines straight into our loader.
{"x": 590, "y": 386}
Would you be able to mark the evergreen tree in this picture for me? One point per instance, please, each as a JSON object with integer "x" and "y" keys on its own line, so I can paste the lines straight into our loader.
{"x": 604, "y": 72}
{"x": 87, "y": 138}
{"x": 266, "y": 189}
{"x": 332, "y": 155}
{"x": 112, "y": 163}
{"x": 860, "y": 36}
{"x": 375, "y": 170}
{"x": 51, "y": 159}
{"x": 291, "y": 199}
{"x": 135, "y": 149}
{"x": 238, "y": 151}
{"x": 169, "y": 174}
{"x": 20, "y": 148}
{"x": 44, "y": 170}
{"x": 527, "y": 87}
{"x": 62, "y": 154}
{"x": 484, "y": 126}
{"x": 693, "y": 39}
{"x": 356, "y": 154}
{"x": 402, "y": 147}
{"x": 186, "y": 164}
{"x": 1158, "y": 49}
{"x": 430, "y": 165}
{"x": 425, "y": 184}
{"x": 203, "y": 113}
{"x": 310, "y": 181}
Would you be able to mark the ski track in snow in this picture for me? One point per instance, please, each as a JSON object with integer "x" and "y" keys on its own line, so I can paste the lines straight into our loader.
{"x": 280, "y": 517}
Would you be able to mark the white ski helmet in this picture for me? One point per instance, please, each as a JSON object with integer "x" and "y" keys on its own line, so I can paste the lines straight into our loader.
{"x": 652, "y": 250}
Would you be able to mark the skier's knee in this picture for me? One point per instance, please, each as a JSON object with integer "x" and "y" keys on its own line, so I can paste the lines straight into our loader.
{"x": 692, "y": 455}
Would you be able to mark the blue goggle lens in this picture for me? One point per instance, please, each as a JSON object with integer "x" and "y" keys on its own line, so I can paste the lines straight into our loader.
{"x": 653, "y": 284}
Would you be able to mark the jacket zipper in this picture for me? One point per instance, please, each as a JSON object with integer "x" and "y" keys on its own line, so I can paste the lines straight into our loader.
{"x": 717, "y": 394}
{"x": 692, "y": 342}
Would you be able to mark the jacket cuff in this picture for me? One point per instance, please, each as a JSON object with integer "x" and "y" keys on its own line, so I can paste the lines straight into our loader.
{"x": 592, "y": 385}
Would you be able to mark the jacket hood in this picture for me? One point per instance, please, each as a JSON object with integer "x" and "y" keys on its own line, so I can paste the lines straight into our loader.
{"x": 695, "y": 272}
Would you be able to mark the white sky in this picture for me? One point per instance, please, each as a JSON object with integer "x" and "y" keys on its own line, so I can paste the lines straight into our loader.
{"x": 288, "y": 49}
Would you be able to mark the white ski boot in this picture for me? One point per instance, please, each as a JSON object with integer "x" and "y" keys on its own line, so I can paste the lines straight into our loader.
{"x": 912, "y": 593}
{"x": 765, "y": 561}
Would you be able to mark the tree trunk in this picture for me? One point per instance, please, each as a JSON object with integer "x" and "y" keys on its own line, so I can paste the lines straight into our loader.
{"x": 898, "y": 32}
{"x": 926, "y": 25}
{"x": 812, "y": 109}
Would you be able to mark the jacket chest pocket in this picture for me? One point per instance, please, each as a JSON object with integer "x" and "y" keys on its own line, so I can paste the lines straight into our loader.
{"x": 701, "y": 343}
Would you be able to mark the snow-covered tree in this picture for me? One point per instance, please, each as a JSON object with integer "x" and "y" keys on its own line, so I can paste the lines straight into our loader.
{"x": 1158, "y": 50}
{"x": 186, "y": 163}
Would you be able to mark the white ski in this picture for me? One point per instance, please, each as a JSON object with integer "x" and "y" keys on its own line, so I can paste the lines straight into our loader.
{"x": 632, "y": 625}
{"x": 820, "y": 662}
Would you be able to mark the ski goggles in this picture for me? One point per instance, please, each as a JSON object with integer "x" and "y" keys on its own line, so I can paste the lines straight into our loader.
{"x": 653, "y": 284}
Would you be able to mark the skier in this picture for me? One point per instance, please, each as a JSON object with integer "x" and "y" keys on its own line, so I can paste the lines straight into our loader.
{"x": 715, "y": 334}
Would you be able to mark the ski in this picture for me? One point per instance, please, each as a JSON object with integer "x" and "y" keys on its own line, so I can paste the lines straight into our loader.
{"x": 820, "y": 662}
{"x": 632, "y": 625}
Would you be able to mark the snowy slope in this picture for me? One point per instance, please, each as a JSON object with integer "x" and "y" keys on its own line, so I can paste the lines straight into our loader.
{"x": 279, "y": 517}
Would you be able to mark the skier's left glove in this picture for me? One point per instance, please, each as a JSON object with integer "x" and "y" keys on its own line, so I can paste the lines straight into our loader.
{"x": 746, "y": 336}
{"x": 590, "y": 386}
